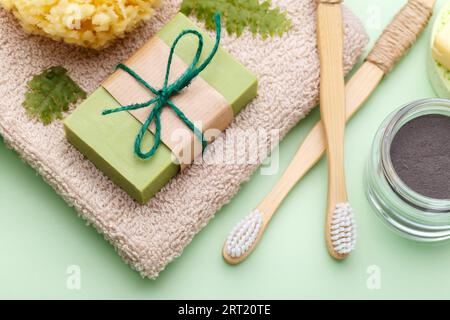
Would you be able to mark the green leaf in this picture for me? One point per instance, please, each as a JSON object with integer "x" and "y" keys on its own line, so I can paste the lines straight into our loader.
{"x": 258, "y": 16}
{"x": 50, "y": 93}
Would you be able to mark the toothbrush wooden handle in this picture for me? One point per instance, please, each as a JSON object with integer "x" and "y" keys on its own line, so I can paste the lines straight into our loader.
{"x": 330, "y": 35}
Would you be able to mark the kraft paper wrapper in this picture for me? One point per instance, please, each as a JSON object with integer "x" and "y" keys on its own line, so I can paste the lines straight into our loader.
{"x": 200, "y": 102}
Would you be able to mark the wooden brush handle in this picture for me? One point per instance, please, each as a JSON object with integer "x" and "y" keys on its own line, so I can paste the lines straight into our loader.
{"x": 330, "y": 38}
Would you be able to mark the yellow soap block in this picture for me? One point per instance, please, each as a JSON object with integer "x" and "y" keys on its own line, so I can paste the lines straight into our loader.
{"x": 441, "y": 47}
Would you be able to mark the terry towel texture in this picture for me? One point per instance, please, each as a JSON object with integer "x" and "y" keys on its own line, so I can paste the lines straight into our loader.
{"x": 149, "y": 237}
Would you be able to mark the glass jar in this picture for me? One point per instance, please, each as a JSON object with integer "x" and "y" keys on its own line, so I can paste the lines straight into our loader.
{"x": 407, "y": 212}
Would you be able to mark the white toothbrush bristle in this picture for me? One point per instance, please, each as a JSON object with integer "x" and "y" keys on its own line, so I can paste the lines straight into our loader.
{"x": 343, "y": 229}
{"x": 244, "y": 234}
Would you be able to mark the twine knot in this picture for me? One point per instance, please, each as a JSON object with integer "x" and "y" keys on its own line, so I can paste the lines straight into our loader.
{"x": 163, "y": 96}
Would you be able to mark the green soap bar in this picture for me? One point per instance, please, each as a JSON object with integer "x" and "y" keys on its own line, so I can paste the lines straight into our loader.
{"x": 108, "y": 141}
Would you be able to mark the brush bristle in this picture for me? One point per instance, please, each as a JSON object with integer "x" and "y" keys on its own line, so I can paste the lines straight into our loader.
{"x": 343, "y": 229}
{"x": 244, "y": 234}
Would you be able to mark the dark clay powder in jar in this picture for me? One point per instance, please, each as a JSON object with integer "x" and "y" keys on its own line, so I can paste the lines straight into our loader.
{"x": 420, "y": 155}
{"x": 408, "y": 172}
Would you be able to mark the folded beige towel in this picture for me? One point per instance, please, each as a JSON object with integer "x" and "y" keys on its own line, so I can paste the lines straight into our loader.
{"x": 149, "y": 237}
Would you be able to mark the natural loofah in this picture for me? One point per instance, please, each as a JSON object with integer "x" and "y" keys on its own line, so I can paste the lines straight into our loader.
{"x": 88, "y": 23}
{"x": 149, "y": 237}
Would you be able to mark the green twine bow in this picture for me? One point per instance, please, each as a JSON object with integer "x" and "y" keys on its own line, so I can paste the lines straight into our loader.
{"x": 162, "y": 96}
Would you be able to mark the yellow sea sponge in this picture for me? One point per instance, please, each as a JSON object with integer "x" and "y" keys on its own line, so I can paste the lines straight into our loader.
{"x": 88, "y": 23}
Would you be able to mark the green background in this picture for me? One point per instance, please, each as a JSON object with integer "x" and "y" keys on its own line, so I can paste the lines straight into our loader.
{"x": 40, "y": 236}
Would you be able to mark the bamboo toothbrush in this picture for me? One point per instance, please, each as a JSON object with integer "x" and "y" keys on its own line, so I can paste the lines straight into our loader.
{"x": 340, "y": 226}
{"x": 390, "y": 47}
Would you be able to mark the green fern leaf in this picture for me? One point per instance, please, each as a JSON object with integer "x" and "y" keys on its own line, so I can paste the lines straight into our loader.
{"x": 51, "y": 93}
{"x": 259, "y": 17}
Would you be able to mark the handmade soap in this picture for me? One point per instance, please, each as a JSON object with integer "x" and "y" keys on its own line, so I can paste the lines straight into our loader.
{"x": 439, "y": 56}
{"x": 441, "y": 47}
{"x": 420, "y": 154}
{"x": 108, "y": 141}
